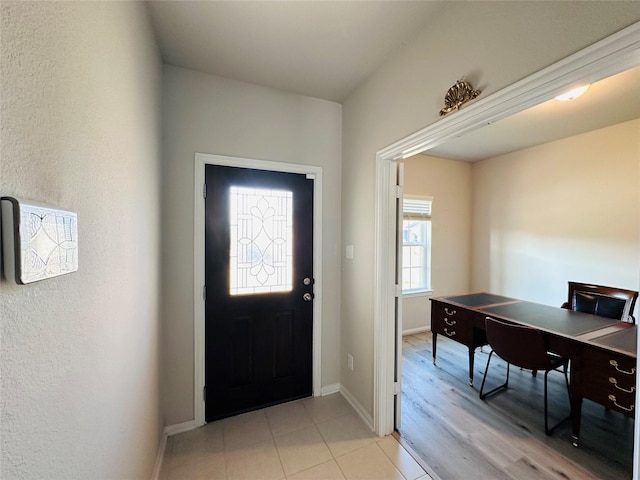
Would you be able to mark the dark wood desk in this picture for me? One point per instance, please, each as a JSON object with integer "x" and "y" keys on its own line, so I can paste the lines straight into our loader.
{"x": 602, "y": 351}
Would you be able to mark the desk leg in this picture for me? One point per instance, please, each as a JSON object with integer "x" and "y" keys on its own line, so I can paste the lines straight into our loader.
{"x": 434, "y": 337}
{"x": 471, "y": 357}
{"x": 576, "y": 413}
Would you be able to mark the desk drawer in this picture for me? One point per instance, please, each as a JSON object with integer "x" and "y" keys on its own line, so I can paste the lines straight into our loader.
{"x": 452, "y": 321}
{"x": 607, "y": 378}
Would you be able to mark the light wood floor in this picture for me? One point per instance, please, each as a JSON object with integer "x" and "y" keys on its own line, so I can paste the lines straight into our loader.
{"x": 460, "y": 436}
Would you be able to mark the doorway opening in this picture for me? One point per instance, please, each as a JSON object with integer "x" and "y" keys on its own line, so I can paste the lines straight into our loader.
{"x": 607, "y": 57}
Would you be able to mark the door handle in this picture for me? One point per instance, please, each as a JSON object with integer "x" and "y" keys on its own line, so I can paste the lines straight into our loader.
{"x": 307, "y": 297}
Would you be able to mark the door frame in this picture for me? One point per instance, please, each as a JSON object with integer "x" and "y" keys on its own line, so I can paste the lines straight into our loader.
{"x": 312, "y": 172}
{"x": 604, "y": 58}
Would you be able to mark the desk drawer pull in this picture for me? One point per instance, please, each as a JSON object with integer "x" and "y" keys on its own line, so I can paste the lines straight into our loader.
{"x": 449, "y": 312}
{"x": 613, "y": 399}
{"x": 615, "y": 384}
{"x": 451, "y": 334}
{"x": 451, "y": 323}
{"x": 615, "y": 365}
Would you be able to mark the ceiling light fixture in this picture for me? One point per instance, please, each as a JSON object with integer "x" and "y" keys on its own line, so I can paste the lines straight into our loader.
{"x": 571, "y": 94}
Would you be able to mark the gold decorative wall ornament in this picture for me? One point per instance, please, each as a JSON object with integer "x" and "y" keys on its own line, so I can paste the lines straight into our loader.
{"x": 458, "y": 95}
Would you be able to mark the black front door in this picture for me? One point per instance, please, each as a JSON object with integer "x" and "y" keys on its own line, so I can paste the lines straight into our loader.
{"x": 259, "y": 289}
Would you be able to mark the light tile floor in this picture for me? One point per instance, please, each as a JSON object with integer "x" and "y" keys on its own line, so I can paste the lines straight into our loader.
{"x": 319, "y": 438}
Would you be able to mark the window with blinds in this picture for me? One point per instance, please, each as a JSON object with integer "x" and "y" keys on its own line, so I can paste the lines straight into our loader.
{"x": 416, "y": 244}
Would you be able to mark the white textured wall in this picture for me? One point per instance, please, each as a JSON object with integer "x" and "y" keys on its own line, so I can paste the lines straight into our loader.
{"x": 493, "y": 44}
{"x": 208, "y": 114}
{"x": 449, "y": 183}
{"x": 565, "y": 210}
{"x": 80, "y": 130}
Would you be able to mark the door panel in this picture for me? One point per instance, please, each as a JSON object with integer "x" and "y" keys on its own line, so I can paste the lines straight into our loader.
{"x": 258, "y": 326}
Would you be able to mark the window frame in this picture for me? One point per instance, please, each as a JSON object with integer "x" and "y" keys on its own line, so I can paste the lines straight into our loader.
{"x": 422, "y": 215}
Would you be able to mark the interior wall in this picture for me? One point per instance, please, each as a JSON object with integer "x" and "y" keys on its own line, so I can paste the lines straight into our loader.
{"x": 81, "y": 130}
{"x": 492, "y": 44}
{"x": 449, "y": 183}
{"x": 563, "y": 211}
{"x": 208, "y": 114}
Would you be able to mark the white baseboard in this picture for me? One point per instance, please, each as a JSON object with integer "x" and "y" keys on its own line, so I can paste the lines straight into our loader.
{"x": 168, "y": 431}
{"x": 357, "y": 407}
{"x": 330, "y": 389}
{"x": 180, "y": 427}
{"x": 411, "y": 331}
{"x": 160, "y": 456}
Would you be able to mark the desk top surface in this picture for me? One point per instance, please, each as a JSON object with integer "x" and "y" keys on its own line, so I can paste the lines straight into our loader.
{"x": 622, "y": 340}
{"x": 545, "y": 317}
{"x": 479, "y": 299}
{"x": 604, "y": 332}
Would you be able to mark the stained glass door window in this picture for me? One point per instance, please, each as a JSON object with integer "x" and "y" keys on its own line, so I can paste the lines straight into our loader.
{"x": 261, "y": 240}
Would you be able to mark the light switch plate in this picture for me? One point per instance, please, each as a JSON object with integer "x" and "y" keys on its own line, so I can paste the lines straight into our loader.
{"x": 349, "y": 252}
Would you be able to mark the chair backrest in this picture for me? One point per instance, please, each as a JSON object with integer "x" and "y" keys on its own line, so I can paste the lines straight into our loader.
{"x": 600, "y": 300}
{"x": 519, "y": 345}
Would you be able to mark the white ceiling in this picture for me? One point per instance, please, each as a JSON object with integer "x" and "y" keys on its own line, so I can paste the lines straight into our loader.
{"x": 321, "y": 49}
{"x": 607, "y": 102}
{"x": 325, "y": 49}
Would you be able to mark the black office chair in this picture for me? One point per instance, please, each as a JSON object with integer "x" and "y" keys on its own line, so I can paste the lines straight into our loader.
{"x": 523, "y": 347}
{"x": 611, "y": 302}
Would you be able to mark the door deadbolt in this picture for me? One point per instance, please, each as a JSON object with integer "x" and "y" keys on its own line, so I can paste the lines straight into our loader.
{"x": 307, "y": 297}
{"x": 306, "y": 281}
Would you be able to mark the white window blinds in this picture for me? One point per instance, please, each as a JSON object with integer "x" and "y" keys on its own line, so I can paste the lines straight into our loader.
{"x": 417, "y": 208}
